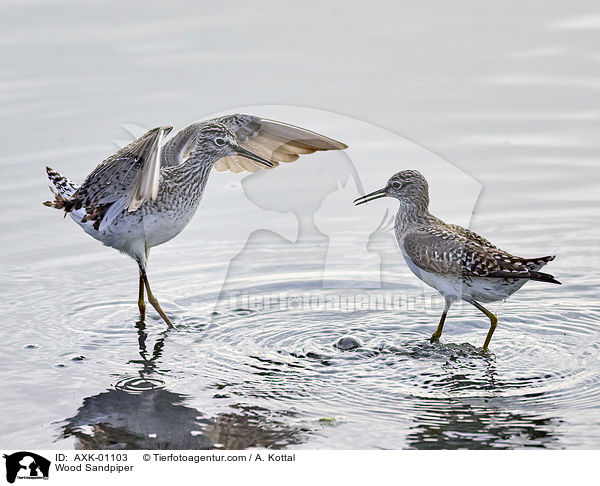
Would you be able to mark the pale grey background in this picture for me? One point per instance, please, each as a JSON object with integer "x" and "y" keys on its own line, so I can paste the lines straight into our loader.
{"x": 506, "y": 91}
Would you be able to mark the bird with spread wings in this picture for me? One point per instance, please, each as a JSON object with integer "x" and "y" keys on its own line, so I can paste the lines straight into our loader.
{"x": 146, "y": 193}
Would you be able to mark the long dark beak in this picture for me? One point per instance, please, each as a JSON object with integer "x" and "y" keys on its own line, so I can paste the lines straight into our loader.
{"x": 252, "y": 156}
{"x": 371, "y": 197}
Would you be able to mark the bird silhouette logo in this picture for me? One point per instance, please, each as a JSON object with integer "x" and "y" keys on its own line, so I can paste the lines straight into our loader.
{"x": 26, "y": 465}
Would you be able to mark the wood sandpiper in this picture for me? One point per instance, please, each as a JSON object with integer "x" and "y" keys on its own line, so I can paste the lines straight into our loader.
{"x": 146, "y": 193}
{"x": 455, "y": 261}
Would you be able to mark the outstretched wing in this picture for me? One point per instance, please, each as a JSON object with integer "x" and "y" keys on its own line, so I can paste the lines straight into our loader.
{"x": 442, "y": 250}
{"x": 123, "y": 181}
{"x": 273, "y": 140}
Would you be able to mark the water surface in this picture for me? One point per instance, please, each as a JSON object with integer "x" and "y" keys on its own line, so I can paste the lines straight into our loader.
{"x": 503, "y": 98}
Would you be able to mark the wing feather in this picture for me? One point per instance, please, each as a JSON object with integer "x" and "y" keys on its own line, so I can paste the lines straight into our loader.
{"x": 125, "y": 180}
{"x": 146, "y": 186}
{"x": 236, "y": 165}
{"x": 445, "y": 251}
{"x": 276, "y": 141}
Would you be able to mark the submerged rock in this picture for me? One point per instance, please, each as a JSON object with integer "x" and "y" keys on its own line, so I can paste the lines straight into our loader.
{"x": 347, "y": 343}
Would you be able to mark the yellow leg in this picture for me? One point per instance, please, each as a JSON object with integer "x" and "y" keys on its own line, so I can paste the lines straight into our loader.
{"x": 493, "y": 323}
{"x": 153, "y": 299}
{"x": 141, "y": 303}
{"x": 438, "y": 332}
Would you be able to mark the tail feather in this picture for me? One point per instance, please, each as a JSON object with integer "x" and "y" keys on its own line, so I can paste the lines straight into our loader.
{"x": 63, "y": 189}
{"x": 59, "y": 202}
{"x": 534, "y": 264}
{"x": 537, "y": 263}
{"x": 543, "y": 277}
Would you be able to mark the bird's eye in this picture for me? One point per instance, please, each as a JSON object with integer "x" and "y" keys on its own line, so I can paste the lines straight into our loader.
{"x": 396, "y": 185}
{"x": 219, "y": 142}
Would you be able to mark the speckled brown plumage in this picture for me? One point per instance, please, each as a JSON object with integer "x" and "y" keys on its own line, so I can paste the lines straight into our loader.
{"x": 447, "y": 249}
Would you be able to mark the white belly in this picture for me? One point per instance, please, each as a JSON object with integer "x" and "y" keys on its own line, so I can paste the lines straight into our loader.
{"x": 133, "y": 234}
{"x": 449, "y": 286}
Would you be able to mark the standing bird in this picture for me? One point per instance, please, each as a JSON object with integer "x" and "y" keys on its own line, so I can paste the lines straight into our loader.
{"x": 146, "y": 193}
{"x": 453, "y": 260}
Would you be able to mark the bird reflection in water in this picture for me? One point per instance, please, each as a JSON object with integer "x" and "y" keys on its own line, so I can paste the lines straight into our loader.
{"x": 139, "y": 413}
{"x": 478, "y": 424}
{"x": 464, "y": 402}
{"x": 474, "y": 415}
